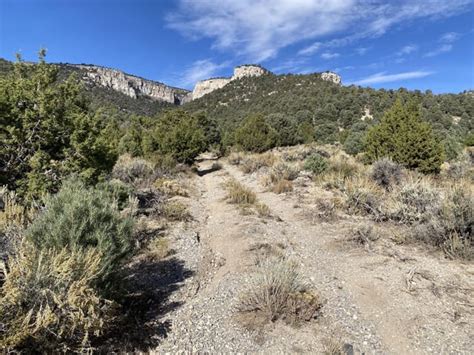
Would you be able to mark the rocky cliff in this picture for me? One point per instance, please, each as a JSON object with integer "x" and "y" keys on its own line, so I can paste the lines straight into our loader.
{"x": 204, "y": 87}
{"x": 131, "y": 85}
{"x": 330, "y": 76}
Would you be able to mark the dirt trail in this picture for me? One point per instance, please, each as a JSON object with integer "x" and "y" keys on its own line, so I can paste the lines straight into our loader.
{"x": 393, "y": 299}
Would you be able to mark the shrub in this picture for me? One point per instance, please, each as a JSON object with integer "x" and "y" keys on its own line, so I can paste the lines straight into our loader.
{"x": 415, "y": 201}
{"x": 386, "y": 173}
{"x": 170, "y": 187}
{"x": 48, "y": 301}
{"x": 363, "y": 197}
{"x": 451, "y": 226}
{"x": 316, "y": 164}
{"x": 78, "y": 217}
{"x": 283, "y": 171}
{"x": 406, "y": 139}
{"x": 179, "y": 135}
{"x": 343, "y": 166}
{"x": 277, "y": 291}
{"x": 239, "y": 194}
{"x": 255, "y": 134}
{"x": 235, "y": 158}
{"x": 129, "y": 169}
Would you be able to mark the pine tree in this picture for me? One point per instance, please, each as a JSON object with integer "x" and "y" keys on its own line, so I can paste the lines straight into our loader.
{"x": 406, "y": 139}
{"x": 255, "y": 134}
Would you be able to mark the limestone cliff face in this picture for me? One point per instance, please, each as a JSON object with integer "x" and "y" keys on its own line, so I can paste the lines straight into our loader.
{"x": 330, "y": 76}
{"x": 204, "y": 87}
{"x": 132, "y": 86}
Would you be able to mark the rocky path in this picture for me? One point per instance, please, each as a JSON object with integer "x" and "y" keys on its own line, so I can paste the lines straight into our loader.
{"x": 389, "y": 299}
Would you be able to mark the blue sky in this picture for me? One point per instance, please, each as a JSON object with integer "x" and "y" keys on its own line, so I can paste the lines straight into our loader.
{"x": 417, "y": 44}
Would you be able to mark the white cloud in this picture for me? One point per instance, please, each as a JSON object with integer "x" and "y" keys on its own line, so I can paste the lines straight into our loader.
{"x": 387, "y": 78}
{"x": 329, "y": 55}
{"x": 407, "y": 50}
{"x": 440, "y": 50}
{"x": 199, "y": 70}
{"x": 449, "y": 37}
{"x": 258, "y": 29}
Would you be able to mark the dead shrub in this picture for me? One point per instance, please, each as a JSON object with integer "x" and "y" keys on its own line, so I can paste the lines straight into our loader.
{"x": 326, "y": 209}
{"x": 48, "y": 301}
{"x": 239, "y": 194}
{"x": 283, "y": 171}
{"x": 386, "y": 173}
{"x": 363, "y": 197}
{"x": 277, "y": 292}
{"x": 363, "y": 235}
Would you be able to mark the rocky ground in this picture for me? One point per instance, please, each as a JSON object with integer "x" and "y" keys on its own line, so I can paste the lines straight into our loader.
{"x": 378, "y": 298}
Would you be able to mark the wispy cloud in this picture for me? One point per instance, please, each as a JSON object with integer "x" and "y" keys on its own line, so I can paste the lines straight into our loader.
{"x": 329, "y": 55}
{"x": 199, "y": 70}
{"x": 446, "y": 44}
{"x": 258, "y": 29}
{"x": 383, "y": 77}
{"x": 440, "y": 50}
{"x": 407, "y": 50}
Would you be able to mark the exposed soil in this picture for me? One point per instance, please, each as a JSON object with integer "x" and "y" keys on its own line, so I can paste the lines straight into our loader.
{"x": 380, "y": 297}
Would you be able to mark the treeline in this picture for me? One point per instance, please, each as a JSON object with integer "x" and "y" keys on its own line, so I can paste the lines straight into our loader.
{"x": 330, "y": 113}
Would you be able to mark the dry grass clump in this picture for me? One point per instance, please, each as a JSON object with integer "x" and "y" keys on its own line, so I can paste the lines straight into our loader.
{"x": 239, "y": 194}
{"x": 386, "y": 173}
{"x": 283, "y": 171}
{"x": 158, "y": 249}
{"x": 282, "y": 186}
{"x": 48, "y": 301}
{"x": 277, "y": 291}
{"x": 170, "y": 187}
{"x": 131, "y": 169}
{"x": 176, "y": 211}
{"x": 326, "y": 209}
{"x": 14, "y": 218}
{"x": 235, "y": 158}
{"x": 262, "y": 209}
{"x": 254, "y": 162}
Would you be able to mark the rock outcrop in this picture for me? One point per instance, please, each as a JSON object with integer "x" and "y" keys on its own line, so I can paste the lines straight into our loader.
{"x": 204, "y": 87}
{"x": 333, "y": 77}
{"x": 131, "y": 85}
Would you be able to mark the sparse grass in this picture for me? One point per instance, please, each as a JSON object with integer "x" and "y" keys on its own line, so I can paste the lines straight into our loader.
{"x": 239, "y": 194}
{"x": 158, "y": 249}
{"x": 176, "y": 211}
{"x": 333, "y": 346}
{"x": 276, "y": 291}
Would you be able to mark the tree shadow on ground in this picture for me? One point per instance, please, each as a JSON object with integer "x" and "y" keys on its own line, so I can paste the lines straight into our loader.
{"x": 149, "y": 287}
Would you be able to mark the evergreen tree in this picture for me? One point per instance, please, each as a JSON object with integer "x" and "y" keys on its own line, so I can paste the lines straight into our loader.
{"x": 255, "y": 134}
{"x": 406, "y": 139}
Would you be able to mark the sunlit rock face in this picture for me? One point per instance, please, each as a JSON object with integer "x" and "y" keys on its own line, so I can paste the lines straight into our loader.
{"x": 204, "y": 87}
{"x": 131, "y": 85}
{"x": 330, "y": 76}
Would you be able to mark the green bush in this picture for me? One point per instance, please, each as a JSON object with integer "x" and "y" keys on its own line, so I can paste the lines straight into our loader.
{"x": 316, "y": 163}
{"x": 179, "y": 135}
{"x": 255, "y": 134}
{"x": 78, "y": 217}
{"x": 47, "y": 131}
{"x": 406, "y": 139}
